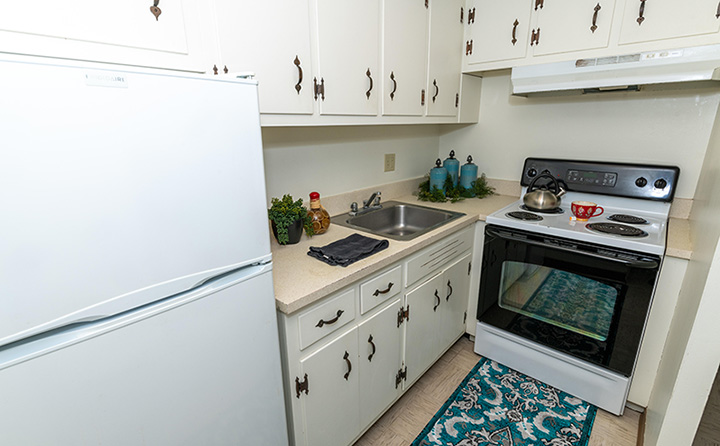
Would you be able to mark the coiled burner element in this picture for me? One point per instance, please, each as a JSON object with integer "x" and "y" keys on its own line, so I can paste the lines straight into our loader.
{"x": 617, "y": 229}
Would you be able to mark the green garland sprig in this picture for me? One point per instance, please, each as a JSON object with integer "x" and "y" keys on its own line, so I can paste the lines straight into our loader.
{"x": 287, "y": 211}
{"x": 478, "y": 189}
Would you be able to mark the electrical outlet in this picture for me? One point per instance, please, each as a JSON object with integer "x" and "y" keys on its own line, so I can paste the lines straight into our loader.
{"x": 389, "y": 162}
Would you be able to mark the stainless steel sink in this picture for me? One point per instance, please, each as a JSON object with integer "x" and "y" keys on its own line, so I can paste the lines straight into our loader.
{"x": 398, "y": 221}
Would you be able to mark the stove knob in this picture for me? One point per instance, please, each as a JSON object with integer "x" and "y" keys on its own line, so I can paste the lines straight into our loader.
{"x": 641, "y": 182}
{"x": 660, "y": 184}
{"x": 532, "y": 172}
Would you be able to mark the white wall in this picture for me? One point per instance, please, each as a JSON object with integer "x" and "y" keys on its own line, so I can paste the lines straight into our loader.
{"x": 334, "y": 160}
{"x": 692, "y": 354}
{"x": 664, "y": 127}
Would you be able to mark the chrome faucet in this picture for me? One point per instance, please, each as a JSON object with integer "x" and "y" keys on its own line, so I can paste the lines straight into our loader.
{"x": 370, "y": 204}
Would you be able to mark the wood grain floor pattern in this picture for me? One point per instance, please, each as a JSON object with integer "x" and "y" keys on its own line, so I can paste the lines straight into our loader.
{"x": 404, "y": 421}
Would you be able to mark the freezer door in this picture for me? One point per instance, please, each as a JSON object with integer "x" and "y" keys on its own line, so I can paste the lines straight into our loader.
{"x": 118, "y": 187}
{"x": 202, "y": 371}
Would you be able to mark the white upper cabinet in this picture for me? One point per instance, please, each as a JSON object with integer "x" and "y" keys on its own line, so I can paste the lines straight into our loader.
{"x": 348, "y": 68}
{"x": 445, "y": 57}
{"x": 497, "y": 30}
{"x": 272, "y": 40}
{"x": 652, "y": 20}
{"x": 162, "y": 34}
{"x": 572, "y": 25}
{"x": 405, "y": 45}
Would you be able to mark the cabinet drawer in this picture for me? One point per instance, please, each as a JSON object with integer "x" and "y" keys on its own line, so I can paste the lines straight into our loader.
{"x": 438, "y": 255}
{"x": 323, "y": 319}
{"x": 379, "y": 289}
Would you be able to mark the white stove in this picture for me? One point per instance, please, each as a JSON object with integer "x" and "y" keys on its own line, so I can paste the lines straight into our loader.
{"x": 653, "y": 232}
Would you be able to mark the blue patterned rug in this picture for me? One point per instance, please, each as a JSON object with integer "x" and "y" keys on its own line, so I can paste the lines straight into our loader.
{"x": 497, "y": 406}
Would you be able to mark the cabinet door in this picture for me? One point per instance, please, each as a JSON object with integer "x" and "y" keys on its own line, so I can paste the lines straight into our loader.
{"x": 348, "y": 42}
{"x": 457, "y": 288}
{"x": 125, "y": 32}
{"x": 405, "y": 30}
{"x": 573, "y": 25}
{"x": 645, "y": 21}
{"x": 422, "y": 343}
{"x": 331, "y": 406}
{"x": 500, "y": 30}
{"x": 380, "y": 349}
{"x": 445, "y": 57}
{"x": 272, "y": 40}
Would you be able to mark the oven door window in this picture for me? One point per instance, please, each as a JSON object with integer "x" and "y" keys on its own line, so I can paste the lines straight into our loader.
{"x": 558, "y": 297}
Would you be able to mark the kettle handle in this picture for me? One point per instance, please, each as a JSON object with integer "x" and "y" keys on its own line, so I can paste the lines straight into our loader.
{"x": 558, "y": 189}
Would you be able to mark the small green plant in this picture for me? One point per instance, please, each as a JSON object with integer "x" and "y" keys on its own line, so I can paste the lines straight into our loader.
{"x": 479, "y": 189}
{"x": 285, "y": 212}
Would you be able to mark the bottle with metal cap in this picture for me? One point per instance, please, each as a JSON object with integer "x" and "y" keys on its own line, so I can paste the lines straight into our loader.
{"x": 438, "y": 175}
{"x": 468, "y": 173}
{"x": 319, "y": 216}
{"x": 452, "y": 165}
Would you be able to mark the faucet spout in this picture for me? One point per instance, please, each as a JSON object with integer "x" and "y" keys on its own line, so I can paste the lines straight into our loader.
{"x": 369, "y": 202}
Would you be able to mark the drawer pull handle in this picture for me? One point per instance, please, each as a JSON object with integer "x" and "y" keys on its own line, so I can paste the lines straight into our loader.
{"x": 155, "y": 10}
{"x": 447, "y": 298}
{"x": 641, "y": 13}
{"x": 594, "y": 18}
{"x": 717, "y": 14}
{"x": 298, "y": 87}
{"x": 438, "y": 301}
{"x": 331, "y": 321}
{"x": 514, "y": 33}
{"x": 349, "y": 364}
{"x": 372, "y": 344}
{"x": 385, "y": 291}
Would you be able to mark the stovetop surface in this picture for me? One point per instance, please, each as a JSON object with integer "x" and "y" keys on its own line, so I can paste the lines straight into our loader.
{"x": 565, "y": 225}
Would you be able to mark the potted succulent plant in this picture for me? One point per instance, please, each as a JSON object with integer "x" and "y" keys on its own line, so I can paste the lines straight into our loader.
{"x": 288, "y": 218}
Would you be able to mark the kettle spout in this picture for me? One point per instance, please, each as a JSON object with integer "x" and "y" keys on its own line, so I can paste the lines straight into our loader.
{"x": 561, "y": 193}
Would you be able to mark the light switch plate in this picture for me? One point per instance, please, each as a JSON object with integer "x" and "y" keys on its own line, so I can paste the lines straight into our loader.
{"x": 389, "y": 162}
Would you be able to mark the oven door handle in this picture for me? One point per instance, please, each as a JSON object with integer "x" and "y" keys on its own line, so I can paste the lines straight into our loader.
{"x": 642, "y": 264}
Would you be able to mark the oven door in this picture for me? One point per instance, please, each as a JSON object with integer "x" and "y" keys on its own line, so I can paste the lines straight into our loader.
{"x": 586, "y": 300}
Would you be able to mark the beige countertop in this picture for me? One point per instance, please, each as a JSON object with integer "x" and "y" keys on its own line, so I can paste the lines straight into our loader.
{"x": 301, "y": 280}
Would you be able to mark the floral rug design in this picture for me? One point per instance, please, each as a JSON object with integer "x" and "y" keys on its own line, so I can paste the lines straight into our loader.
{"x": 498, "y": 406}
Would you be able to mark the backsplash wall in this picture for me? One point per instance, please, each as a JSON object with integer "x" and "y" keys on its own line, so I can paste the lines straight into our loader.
{"x": 335, "y": 160}
{"x": 662, "y": 127}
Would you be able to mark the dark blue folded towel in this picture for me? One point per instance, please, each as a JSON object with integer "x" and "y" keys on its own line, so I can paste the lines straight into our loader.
{"x": 348, "y": 250}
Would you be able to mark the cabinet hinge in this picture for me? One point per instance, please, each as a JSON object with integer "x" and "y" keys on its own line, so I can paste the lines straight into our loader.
{"x": 403, "y": 314}
{"x": 401, "y": 375}
{"x": 215, "y": 69}
{"x": 457, "y": 99}
{"x": 301, "y": 386}
{"x": 422, "y": 97}
{"x": 539, "y": 4}
{"x": 468, "y": 47}
{"x": 471, "y": 16}
{"x": 319, "y": 88}
{"x": 535, "y": 37}
{"x": 464, "y": 317}
{"x": 462, "y": 15}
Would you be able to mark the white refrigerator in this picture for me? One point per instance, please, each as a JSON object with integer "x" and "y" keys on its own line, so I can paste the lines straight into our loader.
{"x": 136, "y": 299}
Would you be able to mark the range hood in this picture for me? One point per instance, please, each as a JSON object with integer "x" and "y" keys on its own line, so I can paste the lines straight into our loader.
{"x": 625, "y": 72}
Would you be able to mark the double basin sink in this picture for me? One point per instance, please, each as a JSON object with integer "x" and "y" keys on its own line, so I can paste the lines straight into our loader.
{"x": 398, "y": 221}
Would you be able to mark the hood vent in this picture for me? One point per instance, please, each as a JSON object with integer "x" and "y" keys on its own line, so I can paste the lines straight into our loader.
{"x": 619, "y": 73}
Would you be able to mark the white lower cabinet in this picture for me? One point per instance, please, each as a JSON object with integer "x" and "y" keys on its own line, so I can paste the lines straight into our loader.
{"x": 348, "y": 357}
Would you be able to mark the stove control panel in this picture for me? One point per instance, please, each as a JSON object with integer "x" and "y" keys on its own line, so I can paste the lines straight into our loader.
{"x": 650, "y": 182}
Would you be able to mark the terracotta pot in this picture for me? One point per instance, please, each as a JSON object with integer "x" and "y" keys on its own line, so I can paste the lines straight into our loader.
{"x": 295, "y": 231}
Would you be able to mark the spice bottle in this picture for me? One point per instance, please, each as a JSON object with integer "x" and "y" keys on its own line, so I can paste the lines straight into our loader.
{"x": 318, "y": 214}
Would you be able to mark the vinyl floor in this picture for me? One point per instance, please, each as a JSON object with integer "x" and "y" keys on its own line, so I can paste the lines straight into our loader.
{"x": 404, "y": 420}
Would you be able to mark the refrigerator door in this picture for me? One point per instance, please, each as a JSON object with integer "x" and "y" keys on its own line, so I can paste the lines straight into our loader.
{"x": 121, "y": 186}
{"x": 202, "y": 368}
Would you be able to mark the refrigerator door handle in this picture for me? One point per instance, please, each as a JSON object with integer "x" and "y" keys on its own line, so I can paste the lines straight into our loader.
{"x": 67, "y": 335}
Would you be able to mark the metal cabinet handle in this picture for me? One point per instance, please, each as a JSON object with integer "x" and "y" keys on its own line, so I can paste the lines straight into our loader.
{"x": 438, "y": 301}
{"x": 539, "y": 4}
{"x": 514, "y": 38}
{"x": 437, "y": 90}
{"x": 155, "y": 10}
{"x": 372, "y": 344}
{"x": 594, "y": 18}
{"x": 385, "y": 291}
{"x": 349, "y": 364}
{"x": 298, "y": 87}
{"x": 392, "y": 78}
{"x": 369, "y": 75}
{"x": 447, "y": 298}
{"x": 717, "y": 15}
{"x": 331, "y": 321}
{"x": 641, "y": 13}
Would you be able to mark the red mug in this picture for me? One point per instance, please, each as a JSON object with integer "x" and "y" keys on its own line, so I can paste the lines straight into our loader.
{"x": 583, "y": 210}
